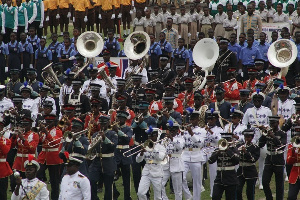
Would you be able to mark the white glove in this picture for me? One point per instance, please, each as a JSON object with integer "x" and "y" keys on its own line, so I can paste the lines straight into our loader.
{"x": 113, "y": 16}
{"x": 72, "y": 58}
{"x": 185, "y": 74}
{"x": 120, "y": 15}
{"x": 3, "y": 31}
{"x": 134, "y": 10}
{"x": 179, "y": 36}
{"x": 189, "y": 35}
{"x": 85, "y": 19}
{"x": 197, "y": 34}
{"x": 15, "y": 30}
{"x": 236, "y": 27}
{"x": 57, "y": 16}
{"x": 145, "y": 9}
{"x": 131, "y": 12}
{"x": 30, "y": 66}
{"x": 22, "y": 66}
{"x": 41, "y": 25}
{"x": 26, "y": 31}
{"x": 6, "y": 69}
{"x": 73, "y": 19}
{"x": 47, "y": 18}
{"x": 99, "y": 16}
{"x": 132, "y": 3}
{"x": 291, "y": 21}
{"x": 240, "y": 71}
{"x": 69, "y": 15}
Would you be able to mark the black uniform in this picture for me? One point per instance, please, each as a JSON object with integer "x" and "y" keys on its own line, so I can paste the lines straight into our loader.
{"x": 82, "y": 107}
{"x": 243, "y": 107}
{"x": 224, "y": 109}
{"x": 173, "y": 115}
{"x": 128, "y": 101}
{"x": 226, "y": 60}
{"x": 104, "y": 165}
{"x": 247, "y": 171}
{"x": 226, "y": 178}
{"x": 158, "y": 86}
{"x": 274, "y": 163}
{"x": 140, "y": 96}
{"x": 166, "y": 76}
{"x": 14, "y": 87}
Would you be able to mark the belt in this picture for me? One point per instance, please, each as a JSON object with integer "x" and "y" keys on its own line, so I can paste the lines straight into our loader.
{"x": 164, "y": 131}
{"x": 122, "y": 146}
{"x": 106, "y": 155}
{"x": 233, "y": 101}
{"x": 77, "y": 155}
{"x": 106, "y": 11}
{"x": 296, "y": 164}
{"x": 272, "y": 153}
{"x": 175, "y": 155}
{"x": 50, "y": 150}
{"x": 192, "y": 149}
{"x": 2, "y": 160}
{"x": 22, "y": 155}
{"x": 225, "y": 168}
{"x": 152, "y": 162}
{"x": 245, "y": 164}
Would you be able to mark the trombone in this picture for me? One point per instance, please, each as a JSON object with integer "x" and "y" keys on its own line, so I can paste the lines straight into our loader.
{"x": 295, "y": 142}
{"x": 68, "y": 135}
{"x": 136, "y": 120}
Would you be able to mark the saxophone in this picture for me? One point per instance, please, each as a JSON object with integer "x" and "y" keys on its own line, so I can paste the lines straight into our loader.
{"x": 91, "y": 152}
{"x": 202, "y": 111}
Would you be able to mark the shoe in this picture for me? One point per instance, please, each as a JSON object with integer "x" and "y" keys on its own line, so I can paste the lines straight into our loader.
{"x": 286, "y": 179}
{"x": 202, "y": 188}
{"x": 261, "y": 187}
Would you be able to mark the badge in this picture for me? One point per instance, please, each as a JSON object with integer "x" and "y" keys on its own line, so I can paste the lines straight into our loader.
{"x": 152, "y": 51}
{"x": 53, "y": 51}
{"x": 0, "y": 51}
{"x": 162, "y": 47}
{"x": 44, "y": 55}
{"x": 179, "y": 56}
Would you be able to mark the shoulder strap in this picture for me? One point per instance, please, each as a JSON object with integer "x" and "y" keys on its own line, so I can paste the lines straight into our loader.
{"x": 34, "y": 191}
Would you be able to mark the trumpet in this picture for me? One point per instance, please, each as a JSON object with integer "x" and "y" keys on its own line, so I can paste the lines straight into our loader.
{"x": 223, "y": 144}
{"x": 295, "y": 142}
{"x": 295, "y": 118}
{"x": 160, "y": 113}
{"x": 68, "y": 137}
{"x": 136, "y": 120}
{"x": 8, "y": 112}
{"x": 63, "y": 121}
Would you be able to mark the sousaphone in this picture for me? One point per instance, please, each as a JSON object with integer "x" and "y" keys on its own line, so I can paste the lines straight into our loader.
{"x": 137, "y": 45}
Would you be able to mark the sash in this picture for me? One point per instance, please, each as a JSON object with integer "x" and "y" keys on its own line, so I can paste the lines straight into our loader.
{"x": 34, "y": 191}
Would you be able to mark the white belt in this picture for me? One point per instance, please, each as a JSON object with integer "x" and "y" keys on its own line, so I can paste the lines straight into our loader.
{"x": 77, "y": 155}
{"x": 244, "y": 164}
{"x": 136, "y": 143}
{"x": 192, "y": 149}
{"x": 164, "y": 131}
{"x": 233, "y": 101}
{"x": 296, "y": 164}
{"x": 50, "y": 150}
{"x": 2, "y": 160}
{"x": 225, "y": 168}
{"x": 106, "y": 155}
{"x": 122, "y": 146}
{"x": 152, "y": 162}
{"x": 175, "y": 155}
{"x": 22, "y": 155}
{"x": 272, "y": 153}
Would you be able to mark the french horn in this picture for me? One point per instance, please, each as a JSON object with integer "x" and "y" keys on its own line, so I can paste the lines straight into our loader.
{"x": 137, "y": 45}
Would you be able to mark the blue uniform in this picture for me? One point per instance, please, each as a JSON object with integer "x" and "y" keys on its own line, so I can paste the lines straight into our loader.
{"x": 54, "y": 48}
{"x": 180, "y": 55}
{"x": 165, "y": 47}
{"x": 263, "y": 49}
{"x": 236, "y": 49}
{"x": 43, "y": 57}
{"x": 248, "y": 55}
{"x": 154, "y": 52}
{"x": 114, "y": 47}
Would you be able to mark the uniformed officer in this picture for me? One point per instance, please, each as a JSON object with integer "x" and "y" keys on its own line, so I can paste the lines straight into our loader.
{"x": 154, "y": 106}
{"x": 30, "y": 186}
{"x": 232, "y": 87}
{"x": 14, "y": 84}
{"x": 120, "y": 91}
{"x": 166, "y": 73}
{"x": 247, "y": 172}
{"x": 66, "y": 87}
{"x": 252, "y": 81}
{"x": 244, "y": 103}
{"x": 226, "y": 156}
{"x": 268, "y": 100}
{"x": 121, "y": 105}
{"x": 104, "y": 165}
{"x": 44, "y": 89}
{"x": 74, "y": 184}
{"x": 5, "y": 103}
{"x": 155, "y": 83}
{"x": 29, "y": 103}
{"x": 136, "y": 92}
{"x": 187, "y": 97}
{"x": 80, "y": 14}
{"x": 208, "y": 92}
{"x": 112, "y": 43}
{"x": 236, "y": 127}
{"x": 107, "y": 14}
{"x": 31, "y": 76}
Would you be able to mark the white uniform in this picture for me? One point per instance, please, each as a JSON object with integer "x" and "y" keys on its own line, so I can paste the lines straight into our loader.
{"x": 114, "y": 82}
{"x": 238, "y": 130}
{"x": 211, "y": 143}
{"x": 5, "y": 104}
{"x": 174, "y": 167}
{"x": 96, "y": 81}
{"x": 31, "y": 105}
{"x": 75, "y": 187}
{"x": 40, "y": 101}
{"x": 152, "y": 172}
{"x": 193, "y": 157}
{"x": 143, "y": 73}
{"x": 258, "y": 116}
{"x": 28, "y": 186}
{"x": 64, "y": 91}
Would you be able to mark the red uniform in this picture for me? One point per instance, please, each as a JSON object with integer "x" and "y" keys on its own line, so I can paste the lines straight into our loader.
{"x": 178, "y": 107}
{"x": 293, "y": 158}
{"x": 275, "y": 76}
{"x": 188, "y": 96}
{"x": 232, "y": 91}
{"x": 128, "y": 121}
{"x": 252, "y": 84}
{"x": 87, "y": 121}
{"x": 210, "y": 93}
{"x": 155, "y": 106}
{"x": 51, "y": 147}
{"x": 118, "y": 71}
{"x": 5, "y": 145}
{"x": 24, "y": 148}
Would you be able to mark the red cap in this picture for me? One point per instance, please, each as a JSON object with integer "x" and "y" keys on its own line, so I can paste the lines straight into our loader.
{"x": 121, "y": 97}
{"x": 231, "y": 69}
{"x": 50, "y": 117}
{"x": 69, "y": 107}
{"x": 189, "y": 80}
{"x": 95, "y": 101}
{"x": 210, "y": 77}
{"x": 150, "y": 91}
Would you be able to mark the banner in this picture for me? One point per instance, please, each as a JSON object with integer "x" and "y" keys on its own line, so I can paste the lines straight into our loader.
{"x": 121, "y": 61}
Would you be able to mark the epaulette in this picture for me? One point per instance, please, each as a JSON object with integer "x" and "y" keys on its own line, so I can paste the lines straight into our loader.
{"x": 80, "y": 175}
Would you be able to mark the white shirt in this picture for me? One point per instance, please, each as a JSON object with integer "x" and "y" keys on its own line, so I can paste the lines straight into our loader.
{"x": 174, "y": 150}
{"x": 75, "y": 187}
{"x": 28, "y": 185}
{"x": 237, "y": 131}
{"x": 143, "y": 73}
{"x": 39, "y": 101}
{"x": 30, "y": 104}
{"x": 96, "y": 81}
{"x": 286, "y": 109}
{"x": 5, "y": 104}
{"x": 211, "y": 140}
{"x": 261, "y": 114}
{"x": 64, "y": 90}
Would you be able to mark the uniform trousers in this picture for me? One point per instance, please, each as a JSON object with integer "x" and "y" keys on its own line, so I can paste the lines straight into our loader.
{"x": 6, "y": 37}
{"x": 205, "y": 28}
{"x": 261, "y": 163}
{"x": 194, "y": 30}
{"x": 145, "y": 184}
{"x": 195, "y": 168}
{"x": 79, "y": 20}
{"x": 36, "y": 25}
{"x": 230, "y": 191}
{"x": 176, "y": 182}
{"x": 212, "y": 176}
{"x": 219, "y": 30}
{"x": 3, "y": 188}
{"x": 294, "y": 190}
{"x": 125, "y": 169}
{"x": 266, "y": 179}
{"x": 184, "y": 32}
{"x": 250, "y": 190}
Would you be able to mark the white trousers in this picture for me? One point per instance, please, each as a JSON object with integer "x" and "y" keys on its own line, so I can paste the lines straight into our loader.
{"x": 261, "y": 163}
{"x": 176, "y": 182}
{"x": 145, "y": 184}
{"x": 195, "y": 168}
{"x": 212, "y": 176}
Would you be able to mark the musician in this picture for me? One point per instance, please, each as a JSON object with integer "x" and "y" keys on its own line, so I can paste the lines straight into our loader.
{"x": 232, "y": 87}
{"x": 187, "y": 97}
{"x": 166, "y": 73}
{"x": 153, "y": 169}
{"x": 252, "y": 81}
{"x": 226, "y": 59}
{"x": 58, "y": 69}
{"x": 275, "y": 139}
{"x": 198, "y": 100}
{"x": 154, "y": 106}
{"x": 295, "y": 91}
{"x": 259, "y": 65}
{"x": 276, "y": 83}
{"x": 274, "y": 74}
{"x": 193, "y": 155}
{"x": 6, "y": 171}
{"x": 112, "y": 76}
{"x": 66, "y": 87}
{"x": 180, "y": 78}
{"x": 121, "y": 104}
{"x": 81, "y": 101}
{"x": 226, "y": 157}
{"x": 44, "y": 89}
{"x": 155, "y": 83}
{"x": 95, "y": 94}
{"x": 268, "y": 100}
{"x": 81, "y": 188}
{"x": 92, "y": 118}
{"x": 5, "y": 103}
{"x": 32, "y": 81}
{"x": 236, "y": 127}
{"x": 68, "y": 111}
{"x": 121, "y": 83}
{"x": 31, "y": 186}
{"x": 209, "y": 91}
{"x": 247, "y": 172}
{"x": 124, "y": 138}
{"x": 221, "y": 105}
{"x": 177, "y": 104}
{"x": 175, "y": 166}
{"x": 213, "y": 135}
{"x": 104, "y": 165}
{"x": 93, "y": 73}
{"x": 14, "y": 84}
{"x": 136, "y": 92}
{"x": 28, "y": 103}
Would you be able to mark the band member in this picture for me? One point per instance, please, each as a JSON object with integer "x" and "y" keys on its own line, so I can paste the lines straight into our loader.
{"x": 192, "y": 156}
{"x": 136, "y": 92}
{"x": 91, "y": 119}
{"x": 187, "y": 97}
{"x": 81, "y": 188}
{"x": 32, "y": 81}
{"x": 152, "y": 172}
{"x": 121, "y": 104}
{"x": 51, "y": 137}
{"x": 103, "y": 145}
{"x": 209, "y": 91}
{"x": 177, "y": 104}
{"x": 259, "y": 65}
{"x": 123, "y": 162}
{"x": 244, "y": 103}
{"x": 236, "y": 127}
{"x": 66, "y": 87}
{"x": 274, "y": 74}
{"x": 155, "y": 83}
{"x": 30, "y": 186}
{"x": 106, "y": 59}
{"x": 121, "y": 83}
{"x": 268, "y": 100}
{"x": 5, "y": 102}
{"x": 247, "y": 172}
{"x": 250, "y": 84}
{"x": 226, "y": 59}
{"x": 28, "y": 103}
{"x": 154, "y": 106}
{"x": 166, "y": 74}
{"x": 68, "y": 111}
{"x": 226, "y": 156}
{"x": 275, "y": 139}
{"x": 44, "y": 89}
{"x": 232, "y": 87}
{"x": 6, "y": 171}
{"x": 175, "y": 166}
{"x": 14, "y": 84}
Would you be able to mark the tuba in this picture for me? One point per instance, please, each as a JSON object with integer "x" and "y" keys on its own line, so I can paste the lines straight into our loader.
{"x": 104, "y": 76}
{"x": 223, "y": 144}
{"x": 51, "y": 76}
{"x": 205, "y": 54}
{"x": 137, "y": 45}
